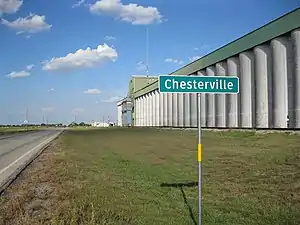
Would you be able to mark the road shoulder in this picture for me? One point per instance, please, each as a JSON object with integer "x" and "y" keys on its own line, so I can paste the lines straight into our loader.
{"x": 37, "y": 190}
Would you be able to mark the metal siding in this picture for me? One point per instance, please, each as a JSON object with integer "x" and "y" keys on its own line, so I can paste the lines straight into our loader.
{"x": 296, "y": 58}
{"x": 157, "y": 108}
{"x": 175, "y": 110}
{"x": 119, "y": 110}
{"x": 140, "y": 111}
{"x": 150, "y": 109}
{"x": 169, "y": 118}
{"x": 165, "y": 112}
{"x": 247, "y": 91}
{"x": 146, "y": 111}
{"x": 211, "y": 122}
{"x": 280, "y": 82}
{"x": 180, "y": 110}
{"x": 233, "y": 112}
{"x": 136, "y": 108}
{"x": 269, "y": 90}
{"x": 161, "y": 109}
{"x": 187, "y": 111}
{"x": 263, "y": 86}
{"x": 143, "y": 111}
{"x": 221, "y": 70}
{"x": 193, "y": 97}
{"x": 290, "y": 82}
{"x": 154, "y": 109}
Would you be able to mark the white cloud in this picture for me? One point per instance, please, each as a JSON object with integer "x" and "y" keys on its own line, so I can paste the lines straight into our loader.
{"x": 82, "y": 58}
{"x": 141, "y": 66}
{"x": 76, "y": 111}
{"x": 19, "y": 74}
{"x": 109, "y": 38}
{"x": 131, "y": 13}
{"x": 194, "y": 58}
{"x": 30, "y": 24}
{"x": 202, "y": 47}
{"x": 79, "y": 3}
{"x": 29, "y": 67}
{"x": 10, "y": 6}
{"x": 177, "y": 61}
{"x": 51, "y": 90}
{"x": 47, "y": 109}
{"x": 92, "y": 91}
{"x": 112, "y": 99}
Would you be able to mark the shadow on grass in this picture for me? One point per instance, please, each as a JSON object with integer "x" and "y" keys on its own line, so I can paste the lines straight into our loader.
{"x": 181, "y": 186}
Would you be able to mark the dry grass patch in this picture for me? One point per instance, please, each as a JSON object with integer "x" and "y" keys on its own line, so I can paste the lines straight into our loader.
{"x": 40, "y": 192}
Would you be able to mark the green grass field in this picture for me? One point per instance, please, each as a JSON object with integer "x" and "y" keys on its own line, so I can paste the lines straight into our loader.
{"x": 11, "y": 130}
{"x": 148, "y": 176}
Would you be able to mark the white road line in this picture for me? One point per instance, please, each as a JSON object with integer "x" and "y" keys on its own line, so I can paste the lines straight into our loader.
{"x": 21, "y": 157}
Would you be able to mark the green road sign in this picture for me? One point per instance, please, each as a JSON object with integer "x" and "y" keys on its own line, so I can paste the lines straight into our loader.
{"x": 199, "y": 84}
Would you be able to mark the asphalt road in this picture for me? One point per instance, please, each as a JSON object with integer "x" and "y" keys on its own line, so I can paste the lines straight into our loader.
{"x": 17, "y": 149}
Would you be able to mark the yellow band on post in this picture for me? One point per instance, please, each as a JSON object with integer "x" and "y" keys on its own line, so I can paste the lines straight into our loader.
{"x": 199, "y": 152}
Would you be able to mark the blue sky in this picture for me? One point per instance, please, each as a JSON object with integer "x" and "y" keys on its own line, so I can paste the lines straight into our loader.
{"x": 45, "y": 64}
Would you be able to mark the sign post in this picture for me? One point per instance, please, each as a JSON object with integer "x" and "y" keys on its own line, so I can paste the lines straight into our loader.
{"x": 199, "y": 84}
{"x": 199, "y": 159}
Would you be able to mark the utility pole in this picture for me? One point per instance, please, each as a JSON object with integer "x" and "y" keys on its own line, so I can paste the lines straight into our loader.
{"x": 26, "y": 118}
{"x": 147, "y": 52}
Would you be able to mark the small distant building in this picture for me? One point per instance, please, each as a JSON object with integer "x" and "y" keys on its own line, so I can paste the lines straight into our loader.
{"x": 124, "y": 110}
{"x": 127, "y": 112}
{"x": 125, "y": 107}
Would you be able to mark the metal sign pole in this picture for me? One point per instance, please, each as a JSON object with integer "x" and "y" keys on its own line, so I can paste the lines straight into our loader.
{"x": 199, "y": 159}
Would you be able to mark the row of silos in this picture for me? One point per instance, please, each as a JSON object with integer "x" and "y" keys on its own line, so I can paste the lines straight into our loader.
{"x": 269, "y": 96}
